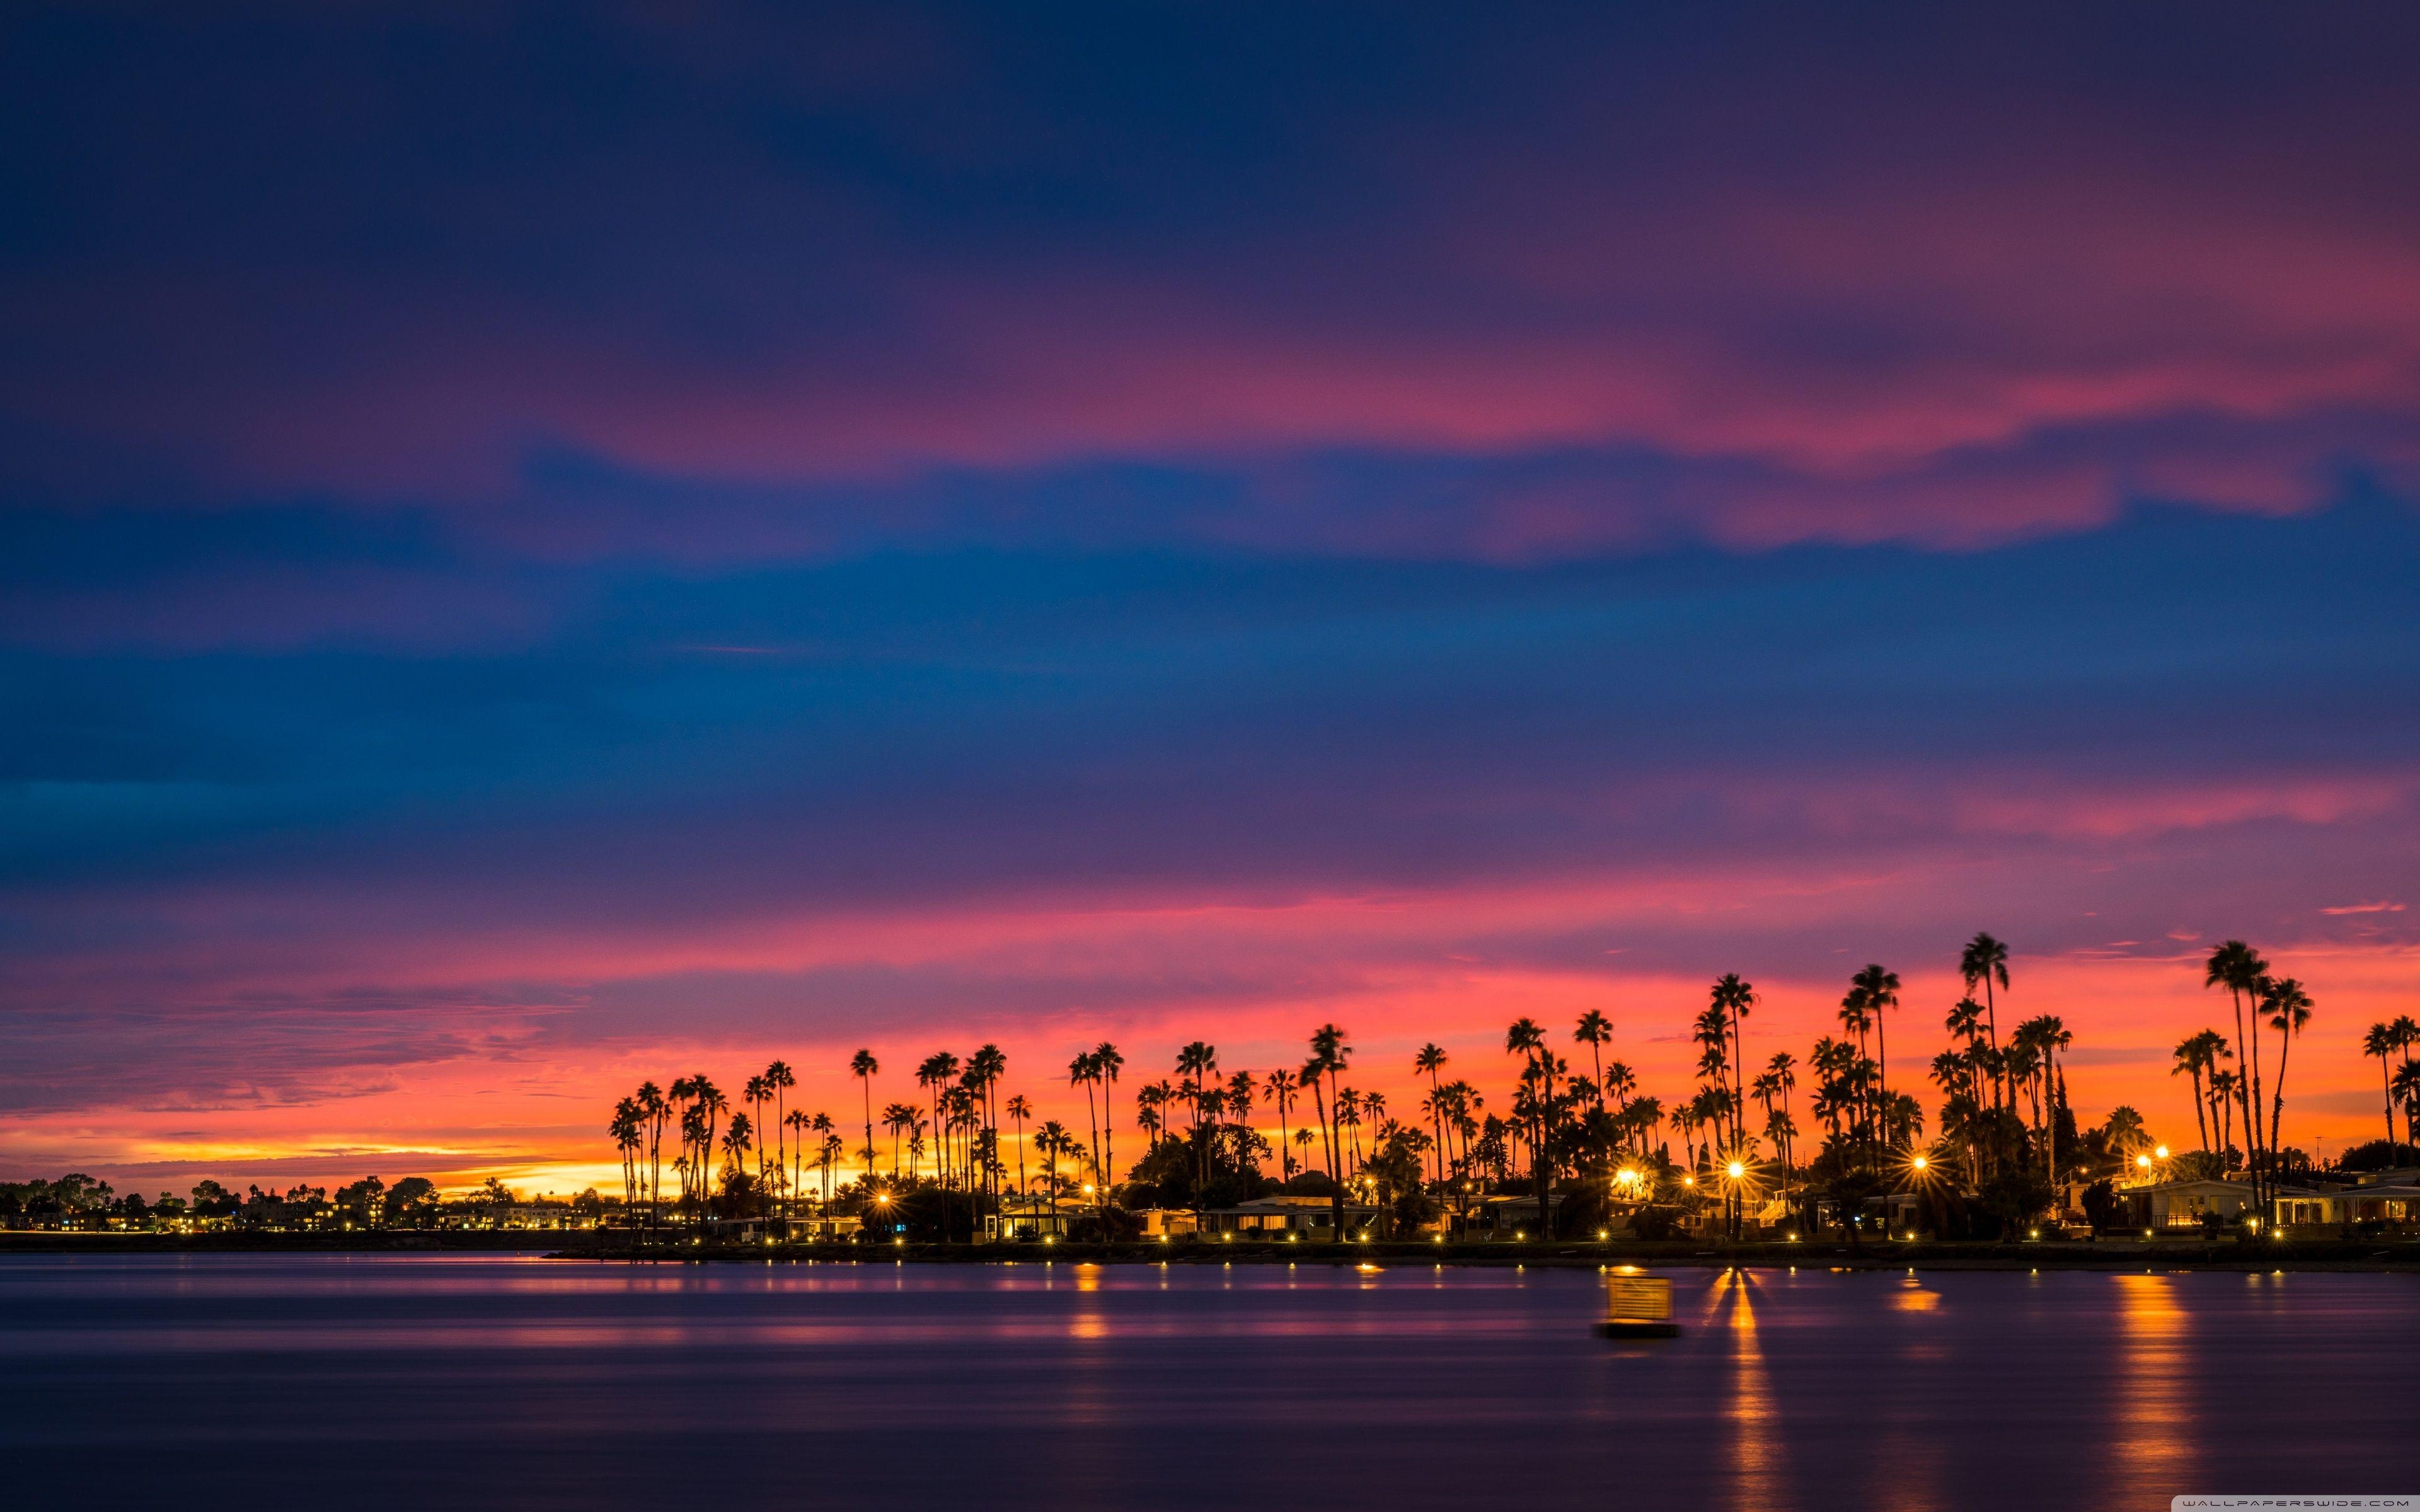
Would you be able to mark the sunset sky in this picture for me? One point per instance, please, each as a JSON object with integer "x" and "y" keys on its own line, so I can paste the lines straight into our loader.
{"x": 550, "y": 546}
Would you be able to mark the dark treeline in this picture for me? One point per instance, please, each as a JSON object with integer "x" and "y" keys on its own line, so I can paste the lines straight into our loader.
{"x": 1763, "y": 1137}
{"x": 78, "y": 1201}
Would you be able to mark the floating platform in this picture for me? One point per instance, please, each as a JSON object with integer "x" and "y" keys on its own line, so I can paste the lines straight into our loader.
{"x": 1636, "y": 1306}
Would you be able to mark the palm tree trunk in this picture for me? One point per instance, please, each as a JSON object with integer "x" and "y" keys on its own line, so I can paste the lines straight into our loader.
{"x": 2278, "y": 1093}
{"x": 2386, "y": 1084}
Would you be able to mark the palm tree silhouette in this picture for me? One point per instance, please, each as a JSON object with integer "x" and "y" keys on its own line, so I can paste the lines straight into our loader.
{"x": 1107, "y": 1063}
{"x": 1329, "y": 1054}
{"x": 1595, "y": 1031}
{"x": 1880, "y": 988}
{"x": 1282, "y": 1089}
{"x": 1019, "y": 1109}
{"x": 1430, "y": 1061}
{"x": 1985, "y": 960}
{"x": 2379, "y": 1041}
{"x": 863, "y": 1067}
{"x": 2238, "y": 969}
{"x": 2288, "y": 1007}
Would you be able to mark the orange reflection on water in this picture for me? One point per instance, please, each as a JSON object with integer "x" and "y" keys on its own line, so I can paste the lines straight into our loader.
{"x": 1754, "y": 1462}
{"x": 2154, "y": 1412}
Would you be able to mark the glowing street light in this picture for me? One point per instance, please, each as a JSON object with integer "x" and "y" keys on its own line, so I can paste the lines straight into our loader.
{"x": 1737, "y": 1169}
{"x": 2162, "y": 1152}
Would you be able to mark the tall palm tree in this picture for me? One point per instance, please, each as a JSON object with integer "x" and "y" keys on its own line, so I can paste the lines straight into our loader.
{"x": 985, "y": 1069}
{"x": 863, "y": 1067}
{"x": 934, "y": 1073}
{"x": 737, "y": 1141}
{"x": 1735, "y": 997}
{"x": 1783, "y": 1069}
{"x": 624, "y": 1130}
{"x": 2406, "y": 1091}
{"x": 1048, "y": 1141}
{"x": 1107, "y": 1063}
{"x": 828, "y": 1149}
{"x": 709, "y": 1103}
{"x": 2407, "y": 1035}
{"x": 2379, "y": 1041}
{"x": 2193, "y": 1059}
{"x": 1880, "y": 987}
{"x": 2288, "y": 1007}
{"x": 657, "y": 1112}
{"x": 1019, "y": 1109}
{"x": 756, "y": 1093}
{"x": 1985, "y": 960}
{"x": 781, "y": 1079}
{"x": 1330, "y": 1054}
{"x": 1430, "y": 1061}
{"x": 1595, "y": 1031}
{"x": 1524, "y": 1037}
{"x": 2050, "y": 1036}
{"x": 1282, "y": 1087}
{"x": 2238, "y": 969}
{"x": 796, "y": 1121}
{"x": 1082, "y": 1072}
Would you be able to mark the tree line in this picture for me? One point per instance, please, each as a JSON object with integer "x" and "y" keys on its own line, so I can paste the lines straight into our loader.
{"x": 2002, "y": 1144}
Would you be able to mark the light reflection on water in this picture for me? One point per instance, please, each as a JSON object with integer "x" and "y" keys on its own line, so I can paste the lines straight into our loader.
{"x": 473, "y": 1381}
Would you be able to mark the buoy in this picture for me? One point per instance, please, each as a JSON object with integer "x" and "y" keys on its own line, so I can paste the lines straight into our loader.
{"x": 1637, "y": 1305}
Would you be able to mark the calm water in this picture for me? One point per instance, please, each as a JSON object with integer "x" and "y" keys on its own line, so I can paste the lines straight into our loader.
{"x": 462, "y": 1382}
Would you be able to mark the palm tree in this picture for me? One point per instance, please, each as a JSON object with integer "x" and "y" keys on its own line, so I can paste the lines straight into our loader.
{"x": 2407, "y": 1034}
{"x": 934, "y": 1073}
{"x": 1595, "y": 1031}
{"x": 1330, "y": 1054}
{"x": 1082, "y": 1072}
{"x": 985, "y": 1069}
{"x": 2050, "y": 1036}
{"x": 863, "y": 1066}
{"x": 894, "y": 1118}
{"x": 781, "y": 1079}
{"x": 1282, "y": 1087}
{"x": 1985, "y": 960}
{"x": 1019, "y": 1109}
{"x": 2381, "y": 1041}
{"x": 1107, "y": 1063}
{"x": 796, "y": 1121}
{"x": 2406, "y": 1091}
{"x": 2194, "y": 1059}
{"x": 1783, "y": 1071}
{"x": 1431, "y": 1059}
{"x": 657, "y": 1112}
{"x": 624, "y": 1130}
{"x": 2238, "y": 969}
{"x": 737, "y": 1141}
{"x": 1050, "y": 1140}
{"x": 1880, "y": 989}
{"x": 826, "y": 1150}
{"x": 756, "y": 1093}
{"x": 1735, "y": 997}
{"x": 707, "y": 1102}
{"x": 2288, "y": 1007}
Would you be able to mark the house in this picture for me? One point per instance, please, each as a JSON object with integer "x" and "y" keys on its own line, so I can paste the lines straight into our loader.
{"x": 1506, "y": 1217}
{"x": 1285, "y": 1213}
{"x": 2187, "y": 1204}
{"x": 1030, "y": 1218}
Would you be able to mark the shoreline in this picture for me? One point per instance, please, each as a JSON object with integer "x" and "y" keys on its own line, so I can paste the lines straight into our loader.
{"x": 2377, "y": 1256}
